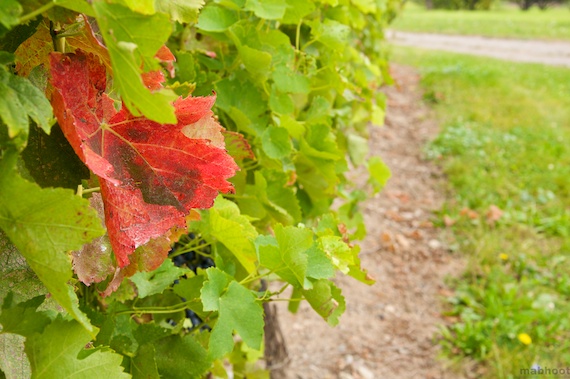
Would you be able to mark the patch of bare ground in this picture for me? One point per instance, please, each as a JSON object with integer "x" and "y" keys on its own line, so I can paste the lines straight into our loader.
{"x": 388, "y": 330}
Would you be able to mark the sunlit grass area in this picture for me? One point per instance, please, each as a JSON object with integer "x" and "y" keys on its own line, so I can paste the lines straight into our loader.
{"x": 505, "y": 147}
{"x": 509, "y": 22}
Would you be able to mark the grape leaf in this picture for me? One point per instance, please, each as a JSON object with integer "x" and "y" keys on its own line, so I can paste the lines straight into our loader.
{"x": 117, "y": 332}
{"x": 143, "y": 365}
{"x": 19, "y": 101}
{"x": 238, "y": 310}
{"x": 54, "y": 354}
{"x": 319, "y": 265}
{"x": 171, "y": 351}
{"x": 276, "y": 142}
{"x": 151, "y": 255}
{"x": 224, "y": 223}
{"x": 288, "y": 81}
{"x": 183, "y": 11}
{"x": 379, "y": 173}
{"x": 286, "y": 253}
{"x": 82, "y": 36}
{"x": 326, "y": 299}
{"x": 280, "y": 103}
{"x": 356, "y": 271}
{"x": 237, "y": 146}
{"x": 267, "y": 9}
{"x": 14, "y": 363}
{"x": 366, "y": 6}
{"x": 257, "y": 62}
{"x": 151, "y": 175}
{"x": 140, "y": 6}
{"x": 339, "y": 252}
{"x": 131, "y": 46}
{"x": 34, "y": 50}
{"x": 297, "y": 10}
{"x": 22, "y": 318}
{"x": 214, "y": 18}
{"x": 244, "y": 104}
{"x": 15, "y": 274}
{"x": 357, "y": 148}
{"x": 9, "y": 13}
{"x": 316, "y": 166}
{"x": 79, "y": 6}
{"x": 150, "y": 283}
{"x": 331, "y": 33}
{"x": 44, "y": 224}
{"x": 271, "y": 195}
{"x": 189, "y": 288}
{"x": 378, "y": 115}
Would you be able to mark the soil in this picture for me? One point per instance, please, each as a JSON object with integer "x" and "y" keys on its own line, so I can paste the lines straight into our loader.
{"x": 546, "y": 52}
{"x": 388, "y": 329}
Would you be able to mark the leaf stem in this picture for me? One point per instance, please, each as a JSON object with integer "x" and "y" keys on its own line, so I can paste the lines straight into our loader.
{"x": 34, "y": 13}
{"x": 196, "y": 248}
{"x": 231, "y": 196}
{"x": 90, "y": 190}
{"x": 70, "y": 34}
{"x": 298, "y": 35}
{"x": 158, "y": 310}
{"x": 283, "y": 299}
{"x": 249, "y": 278}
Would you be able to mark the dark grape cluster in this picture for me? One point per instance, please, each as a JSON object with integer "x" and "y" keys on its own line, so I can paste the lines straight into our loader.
{"x": 200, "y": 255}
{"x": 194, "y": 253}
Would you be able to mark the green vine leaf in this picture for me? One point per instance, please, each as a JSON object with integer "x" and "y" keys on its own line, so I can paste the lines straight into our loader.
{"x": 297, "y": 10}
{"x": 331, "y": 33}
{"x": 238, "y": 310}
{"x": 59, "y": 353}
{"x": 22, "y": 318}
{"x": 16, "y": 276}
{"x": 19, "y": 101}
{"x": 267, "y": 9}
{"x": 271, "y": 197}
{"x": 224, "y": 223}
{"x": 326, "y": 299}
{"x": 183, "y": 11}
{"x": 276, "y": 142}
{"x": 44, "y": 224}
{"x": 130, "y": 46}
{"x": 143, "y": 365}
{"x": 379, "y": 173}
{"x": 10, "y": 12}
{"x": 286, "y": 253}
{"x": 171, "y": 351}
{"x": 151, "y": 283}
{"x": 214, "y": 18}
{"x": 15, "y": 364}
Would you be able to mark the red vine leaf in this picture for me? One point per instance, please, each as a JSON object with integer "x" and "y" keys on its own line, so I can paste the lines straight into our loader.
{"x": 83, "y": 38}
{"x": 237, "y": 145}
{"x": 165, "y": 56}
{"x": 151, "y": 174}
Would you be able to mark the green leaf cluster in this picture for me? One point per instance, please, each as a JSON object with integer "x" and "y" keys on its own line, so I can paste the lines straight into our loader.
{"x": 297, "y": 86}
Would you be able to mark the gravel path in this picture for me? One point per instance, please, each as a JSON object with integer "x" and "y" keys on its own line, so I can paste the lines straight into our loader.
{"x": 388, "y": 330}
{"x": 546, "y": 52}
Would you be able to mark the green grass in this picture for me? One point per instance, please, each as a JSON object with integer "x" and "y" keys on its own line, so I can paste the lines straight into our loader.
{"x": 551, "y": 24}
{"x": 505, "y": 142}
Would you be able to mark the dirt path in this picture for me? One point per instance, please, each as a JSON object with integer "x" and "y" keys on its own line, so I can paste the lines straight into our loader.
{"x": 551, "y": 53}
{"x": 388, "y": 329}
